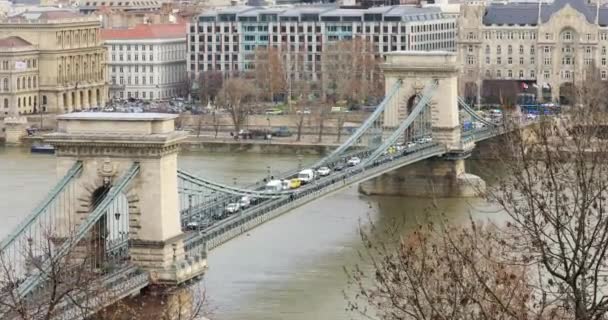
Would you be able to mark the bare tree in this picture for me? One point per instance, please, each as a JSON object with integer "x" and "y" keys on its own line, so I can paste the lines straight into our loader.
{"x": 269, "y": 72}
{"x": 215, "y": 122}
{"x": 340, "y": 119}
{"x": 552, "y": 249}
{"x": 209, "y": 83}
{"x": 237, "y": 96}
{"x": 321, "y": 111}
{"x": 351, "y": 71}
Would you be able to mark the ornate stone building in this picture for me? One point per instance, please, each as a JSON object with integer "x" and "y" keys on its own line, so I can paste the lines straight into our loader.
{"x": 61, "y": 52}
{"x": 539, "y": 48}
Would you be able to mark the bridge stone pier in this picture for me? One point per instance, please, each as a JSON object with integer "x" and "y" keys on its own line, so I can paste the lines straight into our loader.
{"x": 440, "y": 177}
{"x": 108, "y": 144}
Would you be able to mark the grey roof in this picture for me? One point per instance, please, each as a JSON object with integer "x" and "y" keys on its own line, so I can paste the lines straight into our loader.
{"x": 527, "y": 13}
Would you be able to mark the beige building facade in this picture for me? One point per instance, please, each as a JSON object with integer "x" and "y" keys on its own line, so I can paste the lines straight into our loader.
{"x": 542, "y": 49}
{"x": 18, "y": 77}
{"x": 70, "y": 60}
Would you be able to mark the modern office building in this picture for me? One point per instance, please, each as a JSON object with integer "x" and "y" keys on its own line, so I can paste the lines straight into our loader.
{"x": 146, "y": 62}
{"x": 51, "y": 60}
{"x": 540, "y": 48}
{"x": 225, "y": 39}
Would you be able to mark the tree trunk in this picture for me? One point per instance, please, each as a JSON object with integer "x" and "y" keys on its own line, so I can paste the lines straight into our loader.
{"x": 339, "y": 125}
{"x": 320, "y": 137}
{"x": 300, "y": 124}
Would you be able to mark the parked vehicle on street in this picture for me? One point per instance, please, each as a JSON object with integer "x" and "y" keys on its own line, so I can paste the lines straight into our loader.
{"x": 410, "y": 144}
{"x": 353, "y": 161}
{"x": 323, "y": 171}
{"x": 306, "y": 176}
{"x": 233, "y": 208}
{"x": 273, "y": 111}
{"x": 282, "y": 132}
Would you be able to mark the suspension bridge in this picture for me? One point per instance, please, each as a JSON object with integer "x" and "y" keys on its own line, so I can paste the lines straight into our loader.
{"x": 126, "y": 209}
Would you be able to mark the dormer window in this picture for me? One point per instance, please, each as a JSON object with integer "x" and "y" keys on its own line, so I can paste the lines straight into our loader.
{"x": 567, "y": 36}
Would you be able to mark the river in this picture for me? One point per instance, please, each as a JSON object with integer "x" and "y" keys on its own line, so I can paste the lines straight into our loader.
{"x": 288, "y": 268}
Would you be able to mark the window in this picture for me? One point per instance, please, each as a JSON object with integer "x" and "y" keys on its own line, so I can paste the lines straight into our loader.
{"x": 546, "y": 74}
{"x": 531, "y": 59}
{"x": 470, "y": 60}
{"x": 488, "y": 74}
{"x": 521, "y": 60}
{"x": 547, "y": 61}
{"x": 510, "y": 49}
{"x": 509, "y": 60}
{"x": 603, "y": 74}
{"x": 521, "y": 74}
{"x": 487, "y": 60}
{"x": 521, "y": 49}
{"x": 498, "y": 50}
{"x": 532, "y": 74}
{"x": 510, "y": 74}
{"x": 548, "y": 36}
{"x": 498, "y": 60}
{"x": 470, "y": 49}
{"x": 566, "y": 36}
{"x": 499, "y": 35}
{"x": 547, "y": 49}
{"x": 531, "y": 49}
{"x": 603, "y": 36}
{"x": 498, "y": 74}
{"x": 5, "y": 84}
{"x": 487, "y": 49}
{"x": 603, "y": 61}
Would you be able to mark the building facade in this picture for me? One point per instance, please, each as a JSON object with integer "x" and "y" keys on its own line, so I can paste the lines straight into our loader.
{"x": 225, "y": 40}
{"x": 146, "y": 62}
{"x": 62, "y": 52}
{"x": 543, "y": 49}
{"x": 18, "y": 76}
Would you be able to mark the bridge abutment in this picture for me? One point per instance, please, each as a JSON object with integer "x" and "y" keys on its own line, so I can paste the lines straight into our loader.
{"x": 436, "y": 177}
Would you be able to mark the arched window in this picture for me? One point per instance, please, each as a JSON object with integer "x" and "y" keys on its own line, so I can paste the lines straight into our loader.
{"x": 488, "y": 74}
{"x": 5, "y": 84}
{"x": 44, "y": 100}
{"x": 29, "y": 101}
{"x": 34, "y": 81}
{"x": 510, "y": 49}
{"x": 487, "y": 49}
{"x": 29, "y": 82}
{"x": 567, "y": 35}
{"x": 19, "y": 102}
{"x": 5, "y": 103}
{"x": 18, "y": 83}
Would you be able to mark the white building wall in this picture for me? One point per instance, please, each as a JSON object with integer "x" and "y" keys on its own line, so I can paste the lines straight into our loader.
{"x": 149, "y": 69}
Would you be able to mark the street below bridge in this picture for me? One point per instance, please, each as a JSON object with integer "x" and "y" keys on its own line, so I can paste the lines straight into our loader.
{"x": 288, "y": 268}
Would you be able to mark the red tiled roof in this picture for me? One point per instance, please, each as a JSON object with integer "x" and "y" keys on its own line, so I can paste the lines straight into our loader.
{"x": 10, "y": 42}
{"x": 146, "y": 31}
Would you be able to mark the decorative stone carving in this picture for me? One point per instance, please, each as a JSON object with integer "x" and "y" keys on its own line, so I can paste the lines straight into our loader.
{"x": 107, "y": 170}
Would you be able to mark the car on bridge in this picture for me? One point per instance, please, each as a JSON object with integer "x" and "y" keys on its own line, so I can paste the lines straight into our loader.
{"x": 353, "y": 161}
{"x": 339, "y": 167}
{"x": 295, "y": 183}
{"x": 323, "y": 171}
{"x": 232, "y": 208}
{"x": 410, "y": 144}
{"x": 245, "y": 202}
{"x": 306, "y": 176}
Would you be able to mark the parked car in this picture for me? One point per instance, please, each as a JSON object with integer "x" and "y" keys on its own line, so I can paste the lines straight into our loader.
{"x": 303, "y": 111}
{"x": 282, "y": 132}
{"x": 233, "y": 208}
{"x": 353, "y": 161}
{"x": 324, "y": 171}
{"x": 410, "y": 144}
{"x": 273, "y": 111}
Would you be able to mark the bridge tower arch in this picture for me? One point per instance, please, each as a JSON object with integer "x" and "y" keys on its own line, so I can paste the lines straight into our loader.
{"x": 444, "y": 176}
{"x": 416, "y": 69}
{"x": 108, "y": 145}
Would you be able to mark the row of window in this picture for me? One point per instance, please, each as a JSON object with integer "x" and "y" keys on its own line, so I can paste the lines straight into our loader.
{"x": 121, "y": 80}
{"x": 374, "y": 29}
{"x": 22, "y": 83}
{"x": 20, "y": 65}
{"x": 135, "y": 69}
{"x": 76, "y": 38}
{"x": 135, "y": 57}
{"x": 146, "y": 95}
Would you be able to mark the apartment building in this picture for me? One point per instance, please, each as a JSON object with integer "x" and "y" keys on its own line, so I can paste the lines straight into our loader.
{"x": 225, "y": 39}
{"x": 146, "y": 62}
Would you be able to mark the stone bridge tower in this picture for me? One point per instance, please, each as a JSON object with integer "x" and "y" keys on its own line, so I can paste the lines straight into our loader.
{"x": 443, "y": 177}
{"x": 108, "y": 144}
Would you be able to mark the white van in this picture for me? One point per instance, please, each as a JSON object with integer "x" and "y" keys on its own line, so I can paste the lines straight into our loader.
{"x": 306, "y": 175}
{"x": 274, "y": 186}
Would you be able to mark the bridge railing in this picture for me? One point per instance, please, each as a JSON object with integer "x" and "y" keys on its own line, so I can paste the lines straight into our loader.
{"x": 95, "y": 225}
{"x": 208, "y": 239}
{"x": 53, "y": 218}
